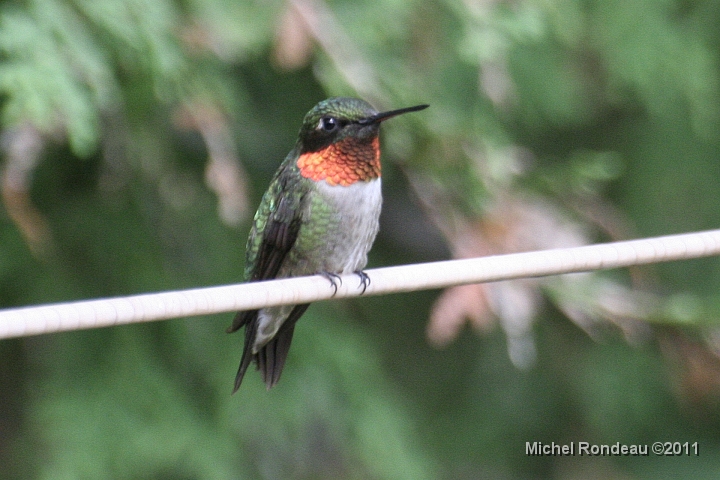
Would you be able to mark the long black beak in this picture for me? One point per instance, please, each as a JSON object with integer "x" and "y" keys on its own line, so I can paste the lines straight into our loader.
{"x": 381, "y": 117}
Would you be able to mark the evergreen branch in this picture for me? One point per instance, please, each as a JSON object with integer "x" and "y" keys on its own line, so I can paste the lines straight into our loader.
{"x": 69, "y": 316}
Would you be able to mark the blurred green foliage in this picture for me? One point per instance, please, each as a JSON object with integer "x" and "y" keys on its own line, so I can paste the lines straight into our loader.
{"x": 138, "y": 135}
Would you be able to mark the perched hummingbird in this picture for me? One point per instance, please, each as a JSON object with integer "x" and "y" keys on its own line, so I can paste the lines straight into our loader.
{"x": 319, "y": 216}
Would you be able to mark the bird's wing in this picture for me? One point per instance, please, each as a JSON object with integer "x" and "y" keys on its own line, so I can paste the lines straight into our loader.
{"x": 277, "y": 238}
{"x": 275, "y": 230}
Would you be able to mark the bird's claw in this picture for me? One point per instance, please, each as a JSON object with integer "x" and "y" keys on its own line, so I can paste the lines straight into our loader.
{"x": 333, "y": 278}
{"x": 364, "y": 280}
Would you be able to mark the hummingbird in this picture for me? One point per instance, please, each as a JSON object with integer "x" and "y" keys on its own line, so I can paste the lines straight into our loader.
{"x": 320, "y": 215}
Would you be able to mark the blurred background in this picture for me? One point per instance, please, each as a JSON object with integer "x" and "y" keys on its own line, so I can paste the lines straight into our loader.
{"x": 137, "y": 137}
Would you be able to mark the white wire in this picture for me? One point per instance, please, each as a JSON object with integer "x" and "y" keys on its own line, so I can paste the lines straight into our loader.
{"x": 248, "y": 296}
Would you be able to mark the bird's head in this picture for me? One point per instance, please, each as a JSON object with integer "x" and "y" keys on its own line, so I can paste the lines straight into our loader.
{"x": 339, "y": 141}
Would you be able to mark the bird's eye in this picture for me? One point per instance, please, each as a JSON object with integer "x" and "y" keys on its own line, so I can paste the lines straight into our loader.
{"x": 328, "y": 124}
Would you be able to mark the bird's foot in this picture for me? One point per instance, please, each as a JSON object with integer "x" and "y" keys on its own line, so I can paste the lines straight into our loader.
{"x": 364, "y": 280}
{"x": 333, "y": 278}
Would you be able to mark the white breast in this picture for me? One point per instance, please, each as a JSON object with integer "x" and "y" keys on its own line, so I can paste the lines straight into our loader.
{"x": 358, "y": 207}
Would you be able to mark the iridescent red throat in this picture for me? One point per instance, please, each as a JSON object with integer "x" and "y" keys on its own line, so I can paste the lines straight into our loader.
{"x": 343, "y": 163}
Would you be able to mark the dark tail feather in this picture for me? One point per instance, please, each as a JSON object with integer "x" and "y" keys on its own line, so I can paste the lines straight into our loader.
{"x": 270, "y": 360}
{"x": 250, "y": 320}
{"x": 271, "y": 357}
{"x": 241, "y": 319}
